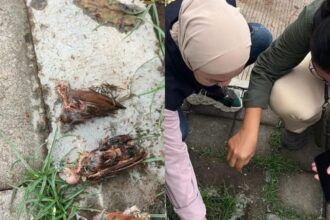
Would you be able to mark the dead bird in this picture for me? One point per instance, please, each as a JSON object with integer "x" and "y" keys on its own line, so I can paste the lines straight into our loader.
{"x": 81, "y": 105}
{"x": 112, "y": 12}
{"x": 113, "y": 156}
{"x": 118, "y": 216}
{"x": 132, "y": 213}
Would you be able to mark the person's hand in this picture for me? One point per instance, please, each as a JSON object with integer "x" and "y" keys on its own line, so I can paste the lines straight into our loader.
{"x": 316, "y": 176}
{"x": 241, "y": 148}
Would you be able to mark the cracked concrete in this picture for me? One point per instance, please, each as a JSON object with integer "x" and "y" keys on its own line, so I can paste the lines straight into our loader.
{"x": 21, "y": 112}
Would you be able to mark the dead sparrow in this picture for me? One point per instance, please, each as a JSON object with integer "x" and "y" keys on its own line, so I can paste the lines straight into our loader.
{"x": 81, "y": 105}
{"x": 113, "y": 156}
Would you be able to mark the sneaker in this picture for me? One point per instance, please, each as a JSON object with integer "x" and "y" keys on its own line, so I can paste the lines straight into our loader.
{"x": 227, "y": 100}
{"x": 294, "y": 141}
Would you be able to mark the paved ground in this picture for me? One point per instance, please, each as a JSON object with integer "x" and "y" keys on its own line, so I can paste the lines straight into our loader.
{"x": 21, "y": 108}
{"x": 294, "y": 189}
{"x": 278, "y": 184}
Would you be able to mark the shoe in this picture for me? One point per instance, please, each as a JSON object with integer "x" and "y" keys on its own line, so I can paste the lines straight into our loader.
{"x": 294, "y": 141}
{"x": 227, "y": 100}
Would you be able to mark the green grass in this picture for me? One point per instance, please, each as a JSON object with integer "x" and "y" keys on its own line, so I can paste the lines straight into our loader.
{"x": 159, "y": 32}
{"x": 275, "y": 164}
{"x": 274, "y": 140}
{"x": 206, "y": 152}
{"x": 221, "y": 204}
{"x": 210, "y": 152}
{"x": 45, "y": 195}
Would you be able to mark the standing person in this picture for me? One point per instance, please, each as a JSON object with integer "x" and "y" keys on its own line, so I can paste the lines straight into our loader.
{"x": 207, "y": 44}
{"x": 290, "y": 76}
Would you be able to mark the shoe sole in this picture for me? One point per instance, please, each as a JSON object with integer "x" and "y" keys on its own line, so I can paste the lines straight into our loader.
{"x": 198, "y": 99}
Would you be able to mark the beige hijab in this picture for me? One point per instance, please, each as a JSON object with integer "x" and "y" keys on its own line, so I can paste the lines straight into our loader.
{"x": 212, "y": 36}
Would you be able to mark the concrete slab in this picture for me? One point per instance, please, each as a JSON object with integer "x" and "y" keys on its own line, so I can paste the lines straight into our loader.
{"x": 268, "y": 117}
{"x": 212, "y": 172}
{"x": 216, "y": 132}
{"x": 211, "y": 111}
{"x": 207, "y": 133}
{"x": 72, "y": 46}
{"x": 302, "y": 193}
{"x": 21, "y": 108}
{"x": 114, "y": 197}
{"x": 110, "y": 193}
{"x": 7, "y": 210}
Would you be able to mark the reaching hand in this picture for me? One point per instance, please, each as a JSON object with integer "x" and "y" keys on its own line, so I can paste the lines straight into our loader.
{"x": 241, "y": 148}
{"x": 316, "y": 176}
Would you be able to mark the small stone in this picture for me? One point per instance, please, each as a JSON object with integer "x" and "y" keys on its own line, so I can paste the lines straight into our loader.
{"x": 272, "y": 217}
{"x": 38, "y": 4}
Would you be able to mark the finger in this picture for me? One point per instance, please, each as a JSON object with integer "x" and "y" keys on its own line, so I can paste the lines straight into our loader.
{"x": 232, "y": 161}
{"x": 240, "y": 164}
{"x": 328, "y": 170}
{"x": 229, "y": 151}
{"x": 229, "y": 155}
{"x": 244, "y": 163}
{"x": 313, "y": 164}
{"x": 314, "y": 169}
{"x": 317, "y": 177}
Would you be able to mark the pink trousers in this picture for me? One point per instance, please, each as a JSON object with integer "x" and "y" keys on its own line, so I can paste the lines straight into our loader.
{"x": 181, "y": 184}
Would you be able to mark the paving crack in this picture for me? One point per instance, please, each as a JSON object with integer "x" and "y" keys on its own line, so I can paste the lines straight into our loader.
{"x": 43, "y": 129}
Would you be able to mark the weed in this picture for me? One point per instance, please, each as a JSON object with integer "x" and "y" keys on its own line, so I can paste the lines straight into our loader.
{"x": 276, "y": 164}
{"x": 221, "y": 204}
{"x": 45, "y": 195}
{"x": 274, "y": 140}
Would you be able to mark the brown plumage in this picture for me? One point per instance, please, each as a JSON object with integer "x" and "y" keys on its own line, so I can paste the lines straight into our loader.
{"x": 133, "y": 213}
{"x": 118, "y": 216}
{"x": 113, "y": 156}
{"x": 81, "y": 105}
{"x": 121, "y": 216}
{"x": 112, "y": 12}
